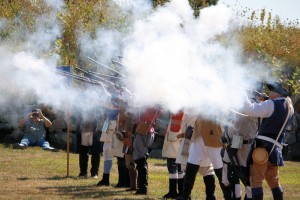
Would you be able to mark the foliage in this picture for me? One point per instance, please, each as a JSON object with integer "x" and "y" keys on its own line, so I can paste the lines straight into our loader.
{"x": 274, "y": 43}
{"x": 20, "y": 16}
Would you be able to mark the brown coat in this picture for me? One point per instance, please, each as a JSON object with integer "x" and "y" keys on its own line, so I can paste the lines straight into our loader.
{"x": 209, "y": 130}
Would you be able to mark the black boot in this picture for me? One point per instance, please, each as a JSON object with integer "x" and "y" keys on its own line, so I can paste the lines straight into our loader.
{"x": 189, "y": 180}
{"x": 180, "y": 186}
{"x": 277, "y": 193}
{"x": 104, "y": 181}
{"x": 122, "y": 170}
{"x": 172, "y": 194}
{"x": 258, "y": 197}
{"x": 210, "y": 186}
{"x": 257, "y": 193}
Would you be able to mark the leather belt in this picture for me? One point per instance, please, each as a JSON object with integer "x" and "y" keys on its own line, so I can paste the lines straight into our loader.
{"x": 250, "y": 141}
{"x": 181, "y": 135}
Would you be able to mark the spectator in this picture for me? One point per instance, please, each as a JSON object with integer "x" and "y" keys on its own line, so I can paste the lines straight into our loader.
{"x": 34, "y": 131}
{"x": 89, "y": 144}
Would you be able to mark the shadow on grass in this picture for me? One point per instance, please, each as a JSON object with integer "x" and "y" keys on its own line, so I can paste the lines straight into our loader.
{"x": 49, "y": 178}
{"x": 23, "y": 179}
{"x": 61, "y": 177}
{"x": 88, "y": 192}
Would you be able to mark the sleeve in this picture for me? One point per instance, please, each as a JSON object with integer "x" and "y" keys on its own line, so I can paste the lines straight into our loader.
{"x": 263, "y": 109}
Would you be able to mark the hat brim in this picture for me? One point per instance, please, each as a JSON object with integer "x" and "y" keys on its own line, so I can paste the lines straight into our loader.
{"x": 278, "y": 88}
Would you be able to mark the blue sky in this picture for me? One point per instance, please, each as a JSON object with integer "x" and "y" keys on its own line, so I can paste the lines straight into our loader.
{"x": 285, "y": 9}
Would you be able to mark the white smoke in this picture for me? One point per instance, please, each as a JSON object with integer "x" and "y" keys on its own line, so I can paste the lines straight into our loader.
{"x": 173, "y": 60}
{"x": 105, "y": 46}
{"x": 27, "y": 72}
{"x": 3, "y": 23}
{"x": 107, "y": 43}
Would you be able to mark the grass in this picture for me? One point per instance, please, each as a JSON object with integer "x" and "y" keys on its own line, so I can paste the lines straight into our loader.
{"x": 36, "y": 174}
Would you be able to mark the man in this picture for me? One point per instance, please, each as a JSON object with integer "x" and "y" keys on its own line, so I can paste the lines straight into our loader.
{"x": 206, "y": 168}
{"x": 239, "y": 138}
{"x": 128, "y": 149}
{"x": 173, "y": 136}
{"x": 108, "y": 129}
{"x": 276, "y": 112}
{"x": 205, "y": 144}
{"x": 34, "y": 131}
{"x": 89, "y": 144}
{"x": 143, "y": 139}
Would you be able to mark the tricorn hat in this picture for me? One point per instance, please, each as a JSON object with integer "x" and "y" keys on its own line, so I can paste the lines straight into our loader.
{"x": 278, "y": 88}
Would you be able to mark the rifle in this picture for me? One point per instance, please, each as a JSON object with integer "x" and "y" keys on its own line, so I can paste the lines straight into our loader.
{"x": 232, "y": 154}
{"x": 102, "y": 65}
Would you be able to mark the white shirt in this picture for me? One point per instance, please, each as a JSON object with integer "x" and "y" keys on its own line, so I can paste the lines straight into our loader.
{"x": 262, "y": 109}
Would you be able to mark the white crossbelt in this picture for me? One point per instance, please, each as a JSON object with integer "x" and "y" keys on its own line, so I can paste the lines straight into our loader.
{"x": 261, "y": 137}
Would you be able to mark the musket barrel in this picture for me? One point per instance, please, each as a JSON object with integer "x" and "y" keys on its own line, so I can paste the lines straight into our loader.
{"x": 102, "y": 65}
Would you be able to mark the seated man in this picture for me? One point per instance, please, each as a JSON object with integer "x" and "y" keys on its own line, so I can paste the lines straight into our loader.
{"x": 34, "y": 131}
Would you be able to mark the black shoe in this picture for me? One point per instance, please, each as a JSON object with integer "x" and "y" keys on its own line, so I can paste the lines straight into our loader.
{"x": 104, "y": 181}
{"x": 81, "y": 175}
{"x": 183, "y": 198}
{"x": 140, "y": 192}
{"x": 18, "y": 146}
{"x": 170, "y": 196}
{"x": 119, "y": 185}
{"x": 131, "y": 189}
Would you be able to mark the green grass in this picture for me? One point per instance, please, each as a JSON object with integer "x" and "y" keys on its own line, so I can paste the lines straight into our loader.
{"x": 37, "y": 174}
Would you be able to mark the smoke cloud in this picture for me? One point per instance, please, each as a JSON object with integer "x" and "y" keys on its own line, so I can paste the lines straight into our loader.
{"x": 173, "y": 60}
{"x": 27, "y": 72}
{"x": 170, "y": 57}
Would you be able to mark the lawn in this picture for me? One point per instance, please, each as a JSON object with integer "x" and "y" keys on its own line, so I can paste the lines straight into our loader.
{"x": 36, "y": 174}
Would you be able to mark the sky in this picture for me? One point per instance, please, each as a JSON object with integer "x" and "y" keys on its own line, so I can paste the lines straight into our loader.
{"x": 285, "y": 9}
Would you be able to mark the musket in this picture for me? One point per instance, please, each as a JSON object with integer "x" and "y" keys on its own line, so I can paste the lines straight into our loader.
{"x": 95, "y": 73}
{"x": 84, "y": 79}
{"x": 103, "y": 79}
{"x": 117, "y": 62}
{"x": 102, "y": 65}
{"x": 232, "y": 154}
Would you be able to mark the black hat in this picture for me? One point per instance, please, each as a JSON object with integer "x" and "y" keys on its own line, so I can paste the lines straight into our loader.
{"x": 278, "y": 88}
